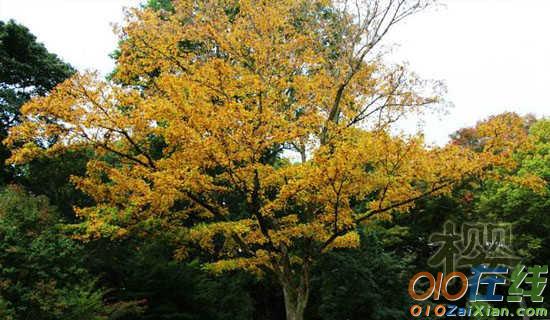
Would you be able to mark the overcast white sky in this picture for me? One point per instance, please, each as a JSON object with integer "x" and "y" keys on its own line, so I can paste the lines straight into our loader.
{"x": 494, "y": 55}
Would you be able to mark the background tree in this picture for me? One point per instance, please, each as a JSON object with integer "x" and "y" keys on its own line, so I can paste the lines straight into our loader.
{"x": 27, "y": 69}
{"x": 523, "y": 206}
{"x": 274, "y": 124}
{"x": 42, "y": 274}
{"x": 514, "y": 199}
{"x": 144, "y": 271}
{"x": 362, "y": 283}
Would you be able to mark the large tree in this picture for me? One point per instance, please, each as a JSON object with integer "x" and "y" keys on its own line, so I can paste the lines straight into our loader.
{"x": 261, "y": 131}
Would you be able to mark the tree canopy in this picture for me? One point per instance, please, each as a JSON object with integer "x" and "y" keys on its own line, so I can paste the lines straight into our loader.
{"x": 262, "y": 133}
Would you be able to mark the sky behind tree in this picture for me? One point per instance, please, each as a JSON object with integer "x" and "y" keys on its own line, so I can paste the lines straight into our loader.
{"x": 492, "y": 54}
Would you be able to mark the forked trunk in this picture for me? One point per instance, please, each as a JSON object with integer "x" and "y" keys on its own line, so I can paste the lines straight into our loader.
{"x": 295, "y": 284}
{"x": 295, "y": 301}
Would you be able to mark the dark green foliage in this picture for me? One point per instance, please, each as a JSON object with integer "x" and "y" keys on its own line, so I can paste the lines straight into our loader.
{"x": 363, "y": 283}
{"x": 145, "y": 271}
{"x": 26, "y": 64}
{"x": 51, "y": 177}
{"x": 42, "y": 275}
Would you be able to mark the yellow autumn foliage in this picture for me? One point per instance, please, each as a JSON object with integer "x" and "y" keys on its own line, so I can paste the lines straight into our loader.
{"x": 266, "y": 130}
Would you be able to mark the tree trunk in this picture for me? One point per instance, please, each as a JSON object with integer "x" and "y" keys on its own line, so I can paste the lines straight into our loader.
{"x": 295, "y": 283}
{"x": 295, "y": 302}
